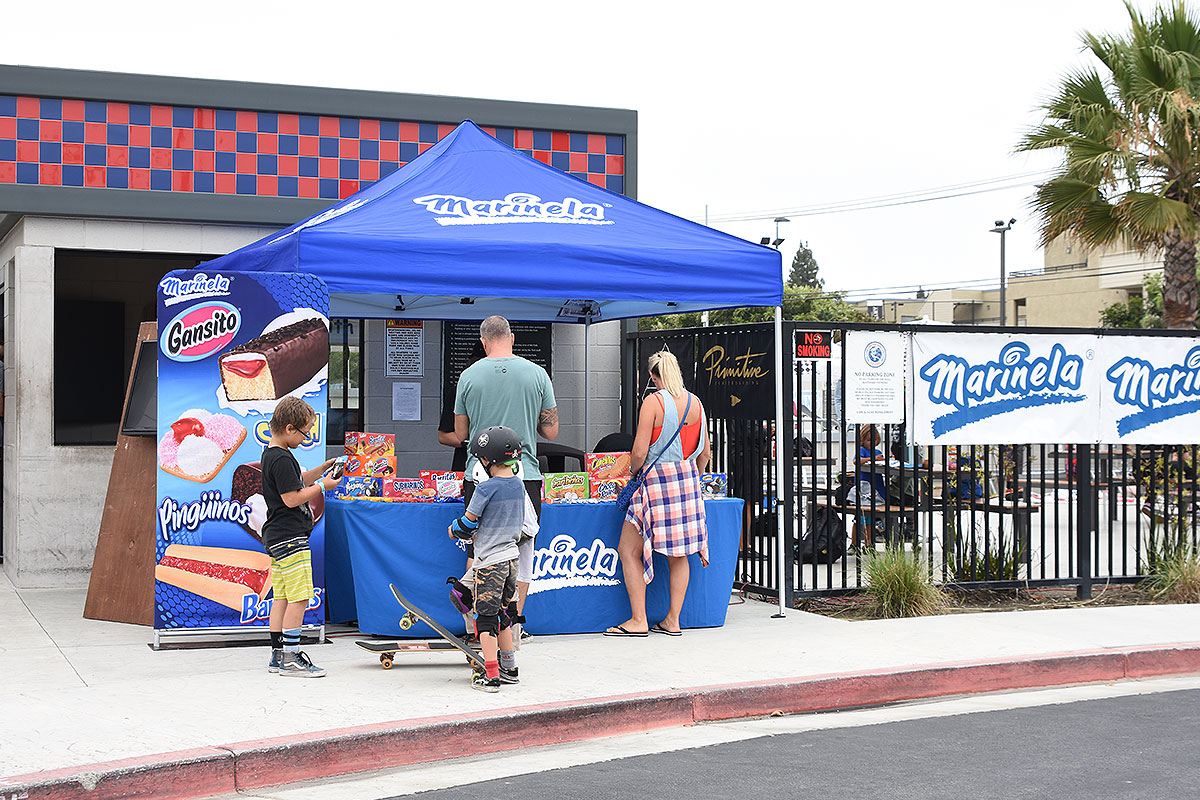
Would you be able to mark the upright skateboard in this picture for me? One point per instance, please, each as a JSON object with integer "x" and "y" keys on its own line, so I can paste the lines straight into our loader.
{"x": 415, "y": 614}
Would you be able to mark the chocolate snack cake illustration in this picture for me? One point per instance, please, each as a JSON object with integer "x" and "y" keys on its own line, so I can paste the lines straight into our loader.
{"x": 275, "y": 363}
{"x": 247, "y": 490}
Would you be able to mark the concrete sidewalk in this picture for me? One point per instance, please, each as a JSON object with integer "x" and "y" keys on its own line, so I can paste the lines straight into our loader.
{"x": 88, "y": 705}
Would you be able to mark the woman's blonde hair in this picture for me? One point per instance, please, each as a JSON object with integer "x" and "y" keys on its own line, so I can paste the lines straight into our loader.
{"x": 666, "y": 367}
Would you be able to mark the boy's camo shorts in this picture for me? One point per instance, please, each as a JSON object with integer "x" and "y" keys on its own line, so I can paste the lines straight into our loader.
{"x": 495, "y": 586}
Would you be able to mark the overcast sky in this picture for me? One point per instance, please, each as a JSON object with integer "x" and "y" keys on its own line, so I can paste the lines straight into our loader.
{"x": 744, "y": 109}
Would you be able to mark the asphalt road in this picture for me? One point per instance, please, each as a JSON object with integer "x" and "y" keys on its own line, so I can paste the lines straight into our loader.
{"x": 1139, "y": 746}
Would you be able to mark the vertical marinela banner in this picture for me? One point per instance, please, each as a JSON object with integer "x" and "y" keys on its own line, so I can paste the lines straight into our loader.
{"x": 1150, "y": 391}
{"x": 231, "y": 345}
{"x": 986, "y": 388}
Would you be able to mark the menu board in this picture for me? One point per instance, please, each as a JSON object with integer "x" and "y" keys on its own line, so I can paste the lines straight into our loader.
{"x": 532, "y": 341}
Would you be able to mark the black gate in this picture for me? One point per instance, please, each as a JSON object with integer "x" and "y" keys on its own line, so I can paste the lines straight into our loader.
{"x": 996, "y": 516}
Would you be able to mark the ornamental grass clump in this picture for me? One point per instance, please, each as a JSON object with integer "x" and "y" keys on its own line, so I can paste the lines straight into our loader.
{"x": 898, "y": 585}
{"x": 1175, "y": 577}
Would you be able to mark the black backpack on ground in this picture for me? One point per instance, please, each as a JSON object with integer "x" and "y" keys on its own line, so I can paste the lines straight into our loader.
{"x": 824, "y": 541}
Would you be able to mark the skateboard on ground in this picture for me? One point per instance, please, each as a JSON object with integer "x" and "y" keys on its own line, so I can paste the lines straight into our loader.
{"x": 412, "y": 615}
{"x": 388, "y": 650}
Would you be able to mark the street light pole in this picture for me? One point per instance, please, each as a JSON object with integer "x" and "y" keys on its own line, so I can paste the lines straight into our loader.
{"x": 1002, "y": 229}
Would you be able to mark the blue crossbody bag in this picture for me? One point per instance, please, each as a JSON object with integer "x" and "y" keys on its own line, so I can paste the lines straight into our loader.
{"x": 637, "y": 480}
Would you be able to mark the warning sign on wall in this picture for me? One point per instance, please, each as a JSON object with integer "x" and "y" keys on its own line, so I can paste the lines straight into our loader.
{"x": 405, "y": 348}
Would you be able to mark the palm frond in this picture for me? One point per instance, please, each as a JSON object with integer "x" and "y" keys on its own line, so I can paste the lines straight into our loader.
{"x": 1152, "y": 215}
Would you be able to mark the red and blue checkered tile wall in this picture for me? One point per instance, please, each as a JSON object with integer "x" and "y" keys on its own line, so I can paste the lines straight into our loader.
{"x": 53, "y": 142}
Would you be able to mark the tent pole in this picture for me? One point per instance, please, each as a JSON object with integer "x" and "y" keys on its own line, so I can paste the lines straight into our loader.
{"x": 587, "y": 384}
{"x": 779, "y": 464}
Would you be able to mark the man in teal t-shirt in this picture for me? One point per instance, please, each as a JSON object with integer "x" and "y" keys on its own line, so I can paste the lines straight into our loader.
{"x": 505, "y": 389}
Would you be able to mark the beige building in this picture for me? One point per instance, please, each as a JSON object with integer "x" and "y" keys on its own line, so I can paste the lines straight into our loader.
{"x": 1074, "y": 286}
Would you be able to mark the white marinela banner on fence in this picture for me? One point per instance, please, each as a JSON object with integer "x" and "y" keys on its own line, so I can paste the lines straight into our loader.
{"x": 988, "y": 388}
{"x": 875, "y": 368}
{"x": 1150, "y": 392}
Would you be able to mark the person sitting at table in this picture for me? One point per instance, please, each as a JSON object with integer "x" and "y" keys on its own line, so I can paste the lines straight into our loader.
{"x": 869, "y": 468}
{"x": 666, "y": 513}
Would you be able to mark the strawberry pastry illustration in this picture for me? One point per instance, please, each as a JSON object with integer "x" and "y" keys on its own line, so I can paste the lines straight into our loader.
{"x": 198, "y": 445}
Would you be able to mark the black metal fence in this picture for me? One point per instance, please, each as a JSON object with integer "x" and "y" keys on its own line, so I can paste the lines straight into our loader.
{"x": 996, "y": 516}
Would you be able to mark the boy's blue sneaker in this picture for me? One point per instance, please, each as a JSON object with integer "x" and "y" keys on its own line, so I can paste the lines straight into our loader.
{"x": 298, "y": 665}
{"x": 276, "y": 660}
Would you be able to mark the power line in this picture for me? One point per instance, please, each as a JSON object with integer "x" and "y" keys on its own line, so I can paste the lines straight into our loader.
{"x": 974, "y": 283}
{"x": 885, "y": 201}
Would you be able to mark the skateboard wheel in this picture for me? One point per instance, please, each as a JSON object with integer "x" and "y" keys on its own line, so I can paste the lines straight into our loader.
{"x": 405, "y": 622}
{"x": 386, "y": 661}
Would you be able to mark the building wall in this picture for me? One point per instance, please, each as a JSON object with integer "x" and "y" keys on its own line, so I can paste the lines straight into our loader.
{"x": 94, "y": 161}
{"x": 54, "y": 496}
{"x": 416, "y": 442}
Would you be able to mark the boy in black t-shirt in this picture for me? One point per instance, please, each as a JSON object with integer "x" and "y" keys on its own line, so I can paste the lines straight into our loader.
{"x": 287, "y": 491}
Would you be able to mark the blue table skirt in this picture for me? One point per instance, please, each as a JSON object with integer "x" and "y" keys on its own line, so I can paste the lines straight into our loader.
{"x": 578, "y": 584}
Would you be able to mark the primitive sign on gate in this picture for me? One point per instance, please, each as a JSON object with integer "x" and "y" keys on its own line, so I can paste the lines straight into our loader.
{"x": 735, "y": 374}
{"x": 814, "y": 345}
{"x": 682, "y": 347}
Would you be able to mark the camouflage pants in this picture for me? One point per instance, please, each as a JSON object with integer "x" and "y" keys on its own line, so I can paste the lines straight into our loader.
{"x": 495, "y": 587}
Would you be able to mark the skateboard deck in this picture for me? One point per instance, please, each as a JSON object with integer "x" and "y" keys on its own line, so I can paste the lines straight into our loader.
{"x": 415, "y": 613}
{"x": 388, "y": 650}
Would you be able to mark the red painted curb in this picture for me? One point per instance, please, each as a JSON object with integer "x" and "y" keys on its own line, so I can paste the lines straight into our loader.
{"x": 261, "y": 764}
{"x": 182, "y": 775}
{"x": 1179, "y": 660}
{"x": 204, "y": 772}
{"x": 869, "y": 689}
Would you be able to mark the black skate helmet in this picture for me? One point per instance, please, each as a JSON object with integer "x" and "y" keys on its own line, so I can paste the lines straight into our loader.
{"x": 497, "y": 445}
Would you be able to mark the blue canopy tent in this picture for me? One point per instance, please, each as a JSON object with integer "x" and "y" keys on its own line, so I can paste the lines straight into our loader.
{"x": 472, "y": 227}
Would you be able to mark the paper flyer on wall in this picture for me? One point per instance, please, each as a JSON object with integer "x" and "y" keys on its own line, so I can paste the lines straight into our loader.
{"x": 230, "y": 346}
{"x": 875, "y": 364}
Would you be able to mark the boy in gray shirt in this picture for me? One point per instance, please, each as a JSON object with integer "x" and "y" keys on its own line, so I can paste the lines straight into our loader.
{"x": 493, "y": 521}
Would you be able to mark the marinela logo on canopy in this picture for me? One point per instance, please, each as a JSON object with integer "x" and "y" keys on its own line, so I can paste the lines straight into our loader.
{"x": 516, "y": 207}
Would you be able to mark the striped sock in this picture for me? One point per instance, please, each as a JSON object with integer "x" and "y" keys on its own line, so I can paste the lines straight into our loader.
{"x": 291, "y": 641}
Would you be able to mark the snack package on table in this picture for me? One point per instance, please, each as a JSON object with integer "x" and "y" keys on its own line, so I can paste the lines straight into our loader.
{"x": 606, "y": 466}
{"x": 606, "y": 489}
{"x": 358, "y": 486}
{"x": 378, "y": 444}
{"x": 559, "y": 487}
{"x": 406, "y": 490}
{"x": 713, "y": 484}
{"x": 445, "y": 485}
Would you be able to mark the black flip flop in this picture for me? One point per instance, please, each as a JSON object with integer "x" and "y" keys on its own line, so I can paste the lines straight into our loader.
{"x": 658, "y": 628}
{"x": 621, "y": 632}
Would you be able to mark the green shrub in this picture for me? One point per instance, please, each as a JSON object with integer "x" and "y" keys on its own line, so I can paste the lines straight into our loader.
{"x": 999, "y": 562}
{"x": 898, "y": 585}
{"x": 1174, "y": 569}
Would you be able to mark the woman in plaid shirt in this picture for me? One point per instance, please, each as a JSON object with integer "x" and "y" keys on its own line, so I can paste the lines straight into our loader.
{"x": 667, "y": 513}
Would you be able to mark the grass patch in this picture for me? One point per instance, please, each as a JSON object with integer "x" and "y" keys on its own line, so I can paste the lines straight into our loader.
{"x": 1175, "y": 573}
{"x": 898, "y": 585}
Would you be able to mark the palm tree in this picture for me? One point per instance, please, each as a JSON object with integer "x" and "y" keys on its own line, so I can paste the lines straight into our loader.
{"x": 1130, "y": 138}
